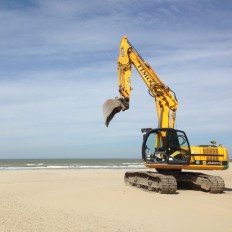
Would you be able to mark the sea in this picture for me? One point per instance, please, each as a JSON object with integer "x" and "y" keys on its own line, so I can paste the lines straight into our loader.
{"x": 43, "y": 164}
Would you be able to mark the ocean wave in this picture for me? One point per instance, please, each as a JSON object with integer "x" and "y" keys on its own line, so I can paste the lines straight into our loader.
{"x": 30, "y": 164}
{"x": 132, "y": 163}
{"x": 34, "y": 167}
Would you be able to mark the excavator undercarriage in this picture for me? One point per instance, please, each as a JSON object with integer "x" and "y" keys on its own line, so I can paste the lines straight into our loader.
{"x": 151, "y": 181}
{"x": 170, "y": 182}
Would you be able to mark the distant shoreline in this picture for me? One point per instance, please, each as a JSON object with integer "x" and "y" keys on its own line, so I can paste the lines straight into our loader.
{"x": 71, "y": 164}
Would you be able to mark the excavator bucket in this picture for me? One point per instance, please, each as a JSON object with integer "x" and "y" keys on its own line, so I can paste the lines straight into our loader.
{"x": 110, "y": 108}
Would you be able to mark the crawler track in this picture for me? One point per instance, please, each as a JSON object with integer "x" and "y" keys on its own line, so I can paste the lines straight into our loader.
{"x": 167, "y": 183}
{"x": 208, "y": 183}
{"x": 152, "y": 181}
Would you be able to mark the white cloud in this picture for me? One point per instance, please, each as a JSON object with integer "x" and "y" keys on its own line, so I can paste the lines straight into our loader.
{"x": 58, "y": 66}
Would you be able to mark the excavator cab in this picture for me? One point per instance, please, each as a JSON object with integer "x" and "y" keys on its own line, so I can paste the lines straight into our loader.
{"x": 165, "y": 146}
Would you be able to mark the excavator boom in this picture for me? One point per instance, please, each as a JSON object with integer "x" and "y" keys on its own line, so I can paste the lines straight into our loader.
{"x": 165, "y": 98}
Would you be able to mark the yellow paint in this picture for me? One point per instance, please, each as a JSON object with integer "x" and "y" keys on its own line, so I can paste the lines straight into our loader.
{"x": 202, "y": 158}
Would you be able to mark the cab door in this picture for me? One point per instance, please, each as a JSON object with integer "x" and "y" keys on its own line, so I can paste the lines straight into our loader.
{"x": 178, "y": 149}
{"x": 166, "y": 146}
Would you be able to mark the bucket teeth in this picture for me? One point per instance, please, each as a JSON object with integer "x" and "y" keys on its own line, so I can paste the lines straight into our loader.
{"x": 110, "y": 108}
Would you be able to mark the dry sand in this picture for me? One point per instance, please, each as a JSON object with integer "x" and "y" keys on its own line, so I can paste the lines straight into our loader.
{"x": 98, "y": 200}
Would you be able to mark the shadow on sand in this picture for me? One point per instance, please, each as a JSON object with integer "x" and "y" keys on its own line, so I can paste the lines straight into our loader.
{"x": 228, "y": 189}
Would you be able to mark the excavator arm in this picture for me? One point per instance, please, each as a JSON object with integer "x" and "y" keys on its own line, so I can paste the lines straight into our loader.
{"x": 165, "y": 99}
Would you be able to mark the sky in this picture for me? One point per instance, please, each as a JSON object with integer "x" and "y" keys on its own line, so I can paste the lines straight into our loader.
{"x": 58, "y": 64}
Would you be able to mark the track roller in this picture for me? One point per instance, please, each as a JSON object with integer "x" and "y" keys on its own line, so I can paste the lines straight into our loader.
{"x": 151, "y": 181}
{"x": 200, "y": 181}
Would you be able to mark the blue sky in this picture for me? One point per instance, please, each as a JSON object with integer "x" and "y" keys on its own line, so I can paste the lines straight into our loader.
{"x": 58, "y": 66}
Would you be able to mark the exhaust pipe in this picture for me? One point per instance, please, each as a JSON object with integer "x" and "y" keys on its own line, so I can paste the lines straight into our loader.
{"x": 112, "y": 107}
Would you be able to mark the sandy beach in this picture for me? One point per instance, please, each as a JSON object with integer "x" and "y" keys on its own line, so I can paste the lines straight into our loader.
{"x": 98, "y": 200}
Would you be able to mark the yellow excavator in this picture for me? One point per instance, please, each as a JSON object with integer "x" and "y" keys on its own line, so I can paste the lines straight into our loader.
{"x": 165, "y": 149}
